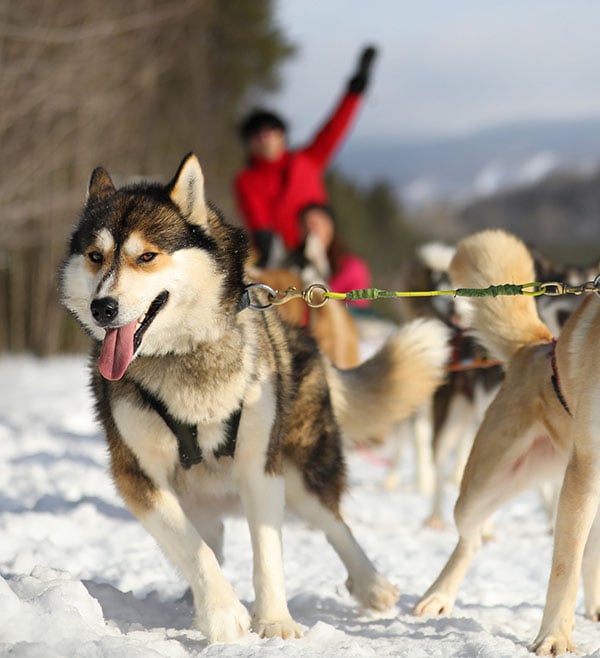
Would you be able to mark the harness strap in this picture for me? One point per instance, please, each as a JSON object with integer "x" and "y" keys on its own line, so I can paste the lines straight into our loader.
{"x": 190, "y": 452}
{"x": 556, "y": 381}
{"x": 244, "y": 301}
{"x": 232, "y": 425}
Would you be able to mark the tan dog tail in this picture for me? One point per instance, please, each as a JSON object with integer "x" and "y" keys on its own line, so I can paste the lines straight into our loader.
{"x": 392, "y": 384}
{"x": 502, "y": 324}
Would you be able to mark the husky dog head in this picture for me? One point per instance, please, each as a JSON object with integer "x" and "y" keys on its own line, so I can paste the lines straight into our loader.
{"x": 152, "y": 269}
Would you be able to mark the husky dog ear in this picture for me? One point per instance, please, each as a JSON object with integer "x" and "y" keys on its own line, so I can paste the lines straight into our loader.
{"x": 100, "y": 184}
{"x": 187, "y": 190}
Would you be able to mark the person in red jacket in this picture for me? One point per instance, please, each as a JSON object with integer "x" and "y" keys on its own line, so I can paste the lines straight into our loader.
{"x": 277, "y": 181}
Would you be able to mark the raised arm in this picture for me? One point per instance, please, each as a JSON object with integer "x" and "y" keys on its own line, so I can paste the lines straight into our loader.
{"x": 336, "y": 127}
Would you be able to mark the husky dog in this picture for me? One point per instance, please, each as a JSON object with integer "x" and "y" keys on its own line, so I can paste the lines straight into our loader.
{"x": 208, "y": 403}
{"x": 543, "y": 422}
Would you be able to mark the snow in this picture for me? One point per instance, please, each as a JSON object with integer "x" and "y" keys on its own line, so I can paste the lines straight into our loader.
{"x": 80, "y": 577}
{"x": 497, "y": 175}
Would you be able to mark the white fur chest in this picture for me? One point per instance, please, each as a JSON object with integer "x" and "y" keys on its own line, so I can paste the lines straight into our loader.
{"x": 202, "y": 387}
{"x": 157, "y": 448}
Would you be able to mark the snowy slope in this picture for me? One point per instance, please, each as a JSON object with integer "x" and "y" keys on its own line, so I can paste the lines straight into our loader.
{"x": 80, "y": 577}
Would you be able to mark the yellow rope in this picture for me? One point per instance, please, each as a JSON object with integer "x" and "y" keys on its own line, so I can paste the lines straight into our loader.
{"x": 316, "y": 295}
{"x": 490, "y": 291}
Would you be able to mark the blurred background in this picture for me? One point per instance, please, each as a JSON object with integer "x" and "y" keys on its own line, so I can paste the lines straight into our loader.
{"x": 478, "y": 115}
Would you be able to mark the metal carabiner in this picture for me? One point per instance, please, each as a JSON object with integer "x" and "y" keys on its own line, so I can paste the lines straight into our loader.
{"x": 277, "y": 298}
{"x": 287, "y": 296}
{"x": 553, "y": 289}
{"x": 261, "y": 286}
{"x": 309, "y": 293}
{"x": 589, "y": 286}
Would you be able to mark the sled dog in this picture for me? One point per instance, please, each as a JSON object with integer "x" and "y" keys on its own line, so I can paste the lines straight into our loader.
{"x": 544, "y": 421}
{"x": 209, "y": 404}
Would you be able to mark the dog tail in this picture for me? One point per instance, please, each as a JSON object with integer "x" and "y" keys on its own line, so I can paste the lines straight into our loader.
{"x": 502, "y": 324}
{"x": 392, "y": 384}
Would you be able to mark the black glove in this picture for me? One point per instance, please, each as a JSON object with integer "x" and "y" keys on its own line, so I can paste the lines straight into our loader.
{"x": 359, "y": 81}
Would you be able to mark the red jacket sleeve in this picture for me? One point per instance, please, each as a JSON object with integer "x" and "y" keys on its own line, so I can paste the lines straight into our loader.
{"x": 331, "y": 134}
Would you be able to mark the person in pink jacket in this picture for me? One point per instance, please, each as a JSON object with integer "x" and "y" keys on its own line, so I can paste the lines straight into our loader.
{"x": 277, "y": 182}
{"x": 323, "y": 257}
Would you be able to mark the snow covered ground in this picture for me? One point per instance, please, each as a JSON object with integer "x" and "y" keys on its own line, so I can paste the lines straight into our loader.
{"x": 80, "y": 577}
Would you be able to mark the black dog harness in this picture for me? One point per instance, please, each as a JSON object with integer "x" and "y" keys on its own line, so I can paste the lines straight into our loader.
{"x": 556, "y": 381}
{"x": 190, "y": 452}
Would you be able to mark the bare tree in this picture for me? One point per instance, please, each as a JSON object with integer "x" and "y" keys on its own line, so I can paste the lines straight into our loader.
{"x": 130, "y": 85}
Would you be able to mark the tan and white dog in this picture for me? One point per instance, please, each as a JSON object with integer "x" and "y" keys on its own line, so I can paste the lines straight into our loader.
{"x": 544, "y": 422}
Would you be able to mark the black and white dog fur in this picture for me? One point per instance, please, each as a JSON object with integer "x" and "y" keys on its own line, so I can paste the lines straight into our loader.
{"x": 210, "y": 406}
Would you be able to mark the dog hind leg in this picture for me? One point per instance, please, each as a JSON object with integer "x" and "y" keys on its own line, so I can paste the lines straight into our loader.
{"x": 498, "y": 468}
{"x": 448, "y": 436}
{"x": 398, "y": 438}
{"x": 364, "y": 582}
{"x": 591, "y": 571}
{"x": 424, "y": 454}
{"x": 577, "y": 508}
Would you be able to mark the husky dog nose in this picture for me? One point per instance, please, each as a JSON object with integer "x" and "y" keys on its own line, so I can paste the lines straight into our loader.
{"x": 104, "y": 310}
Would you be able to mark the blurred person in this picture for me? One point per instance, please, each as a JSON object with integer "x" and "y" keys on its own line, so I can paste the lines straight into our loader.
{"x": 324, "y": 257}
{"x": 277, "y": 182}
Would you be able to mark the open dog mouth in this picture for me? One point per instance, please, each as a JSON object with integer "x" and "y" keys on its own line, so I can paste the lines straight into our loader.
{"x": 121, "y": 343}
{"x": 146, "y": 320}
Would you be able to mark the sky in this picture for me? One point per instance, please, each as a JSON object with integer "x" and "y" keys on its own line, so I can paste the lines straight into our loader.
{"x": 446, "y": 67}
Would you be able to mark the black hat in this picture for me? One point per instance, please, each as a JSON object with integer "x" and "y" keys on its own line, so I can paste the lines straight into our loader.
{"x": 259, "y": 119}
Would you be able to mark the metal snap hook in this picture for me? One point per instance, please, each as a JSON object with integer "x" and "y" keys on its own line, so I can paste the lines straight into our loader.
{"x": 272, "y": 294}
{"x": 309, "y": 295}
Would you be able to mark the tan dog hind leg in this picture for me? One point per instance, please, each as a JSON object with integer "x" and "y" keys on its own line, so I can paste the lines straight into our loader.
{"x": 499, "y": 467}
{"x": 577, "y": 508}
{"x": 591, "y": 571}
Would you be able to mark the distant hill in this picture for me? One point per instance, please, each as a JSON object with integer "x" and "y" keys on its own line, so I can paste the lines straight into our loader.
{"x": 459, "y": 169}
{"x": 559, "y": 210}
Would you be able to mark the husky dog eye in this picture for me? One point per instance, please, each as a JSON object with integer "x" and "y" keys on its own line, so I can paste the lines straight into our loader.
{"x": 95, "y": 257}
{"x": 147, "y": 257}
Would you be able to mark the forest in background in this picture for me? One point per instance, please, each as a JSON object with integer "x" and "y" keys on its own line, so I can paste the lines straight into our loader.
{"x": 133, "y": 87}
{"x": 129, "y": 85}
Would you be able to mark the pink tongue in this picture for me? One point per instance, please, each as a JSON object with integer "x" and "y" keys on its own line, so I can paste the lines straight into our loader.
{"x": 117, "y": 351}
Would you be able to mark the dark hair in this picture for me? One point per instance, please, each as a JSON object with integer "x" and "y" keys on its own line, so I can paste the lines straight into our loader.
{"x": 337, "y": 249}
{"x": 323, "y": 207}
{"x": 257, "y": 120}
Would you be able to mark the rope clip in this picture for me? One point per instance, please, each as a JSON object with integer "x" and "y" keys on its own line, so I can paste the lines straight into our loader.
{"x": 315, "y": 296}
{"x": 555, "y": 289}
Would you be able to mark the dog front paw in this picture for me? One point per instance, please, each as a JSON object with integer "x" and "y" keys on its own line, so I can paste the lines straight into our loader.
{"x": 285, "y": 628}
{"x": 553, "y": 645}
{"x": 374, "y": 592}
{"x": 225, "y": 624}
{"x": 436, "y": 603}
